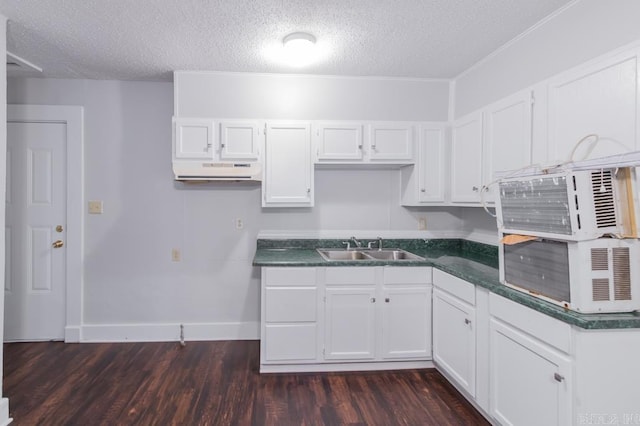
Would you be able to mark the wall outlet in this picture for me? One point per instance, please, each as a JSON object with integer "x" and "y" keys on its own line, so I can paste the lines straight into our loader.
{"x": 175, "y": 255}
{"x": 422, "y": 224}
{"x": 239, "y": 224}
{"x": 95, "y": 207}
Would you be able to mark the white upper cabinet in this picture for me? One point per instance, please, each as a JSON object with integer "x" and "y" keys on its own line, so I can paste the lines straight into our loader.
{"x": 338, "y": 141}
{"x": 600, "y": 98}
{"x": 425, "y": 182}
{"x": 345, "y": 142}
{"x": 193, "y": 139}
{"x": 288, "y": 178}
{"x": 391, "y": 141}
{"x": 240, "y": 140}
{"x": 466, "y": 159}
{"x": 507, "y": 137}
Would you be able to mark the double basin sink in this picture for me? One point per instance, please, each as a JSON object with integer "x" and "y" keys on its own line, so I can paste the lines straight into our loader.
{"x": 367, "y": 254}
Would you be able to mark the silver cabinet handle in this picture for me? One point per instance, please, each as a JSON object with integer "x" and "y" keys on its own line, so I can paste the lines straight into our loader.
{"x": 475, "y": 189}
{"x": 467, "y": 321}
{"x": 386, "y": 299}
{"x": 558, "y": 377}
{"x": 373, "y": 300}
{"x": 423, "y": 190}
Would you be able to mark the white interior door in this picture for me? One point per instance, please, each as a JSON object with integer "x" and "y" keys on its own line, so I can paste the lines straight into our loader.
{"x": 35, "y": 274}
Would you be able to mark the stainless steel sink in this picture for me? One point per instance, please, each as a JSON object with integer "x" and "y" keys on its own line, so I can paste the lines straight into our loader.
{"x": 338, "y": 254}
{"x": 393, "y": 254}
{"x": 366, "y": 254}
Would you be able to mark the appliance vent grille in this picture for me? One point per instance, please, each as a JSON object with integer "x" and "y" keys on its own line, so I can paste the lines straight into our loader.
{"x": 600, "y": 288}
{"x": 621, "y": 273}
{"x": 599, "y": 259}
{"x": 603, "y": 199}
{"x": 538, "y": 205}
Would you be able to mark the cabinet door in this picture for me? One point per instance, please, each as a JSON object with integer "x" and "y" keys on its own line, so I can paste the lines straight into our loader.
{"x": 599, "y": 98}
{"x": 350, "y": 323}
{"x": 454, "y": 339}
{"x": 406, "y": 323}
{"x": 507, "y": 142}
{"x": 391, "y": 141}
{"x": 338, "y": 141}
{"x": 288, "y": 173}
{"x": 193, "y": 139}
{"x": 529, "y": 381}
{"x": 466, "y": 159}
{"x": 240, "y": 140}
{"x": 431, "y": 164}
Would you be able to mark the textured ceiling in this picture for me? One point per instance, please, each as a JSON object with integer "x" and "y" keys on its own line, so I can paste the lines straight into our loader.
{"x": 147, "y": 39}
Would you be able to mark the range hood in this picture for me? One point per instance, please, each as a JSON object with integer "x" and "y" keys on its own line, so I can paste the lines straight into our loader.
{"x": 195, "y": 171}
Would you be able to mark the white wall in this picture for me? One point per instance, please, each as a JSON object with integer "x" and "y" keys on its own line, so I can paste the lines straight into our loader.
{"x": 129, "y": 279}
{"x": 584, "y": 30}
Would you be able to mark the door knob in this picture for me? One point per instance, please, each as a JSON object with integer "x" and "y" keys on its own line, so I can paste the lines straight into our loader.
{"x": 57, "y": 244}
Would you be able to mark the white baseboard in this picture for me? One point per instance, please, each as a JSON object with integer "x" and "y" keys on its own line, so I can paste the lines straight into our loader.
{"x": 4, "y": 412}
{"x": 72, "y": 334}
{"x": 170, "y": 332}
{"x": 346, "y": 366}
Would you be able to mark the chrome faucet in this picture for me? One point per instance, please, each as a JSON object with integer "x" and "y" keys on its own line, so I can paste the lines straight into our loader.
{"x": 356, "y": 242}
{"x": 379, "y": 243}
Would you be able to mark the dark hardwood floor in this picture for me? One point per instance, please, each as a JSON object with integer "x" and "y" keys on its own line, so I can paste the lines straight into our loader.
{"x": 211, "y": 383}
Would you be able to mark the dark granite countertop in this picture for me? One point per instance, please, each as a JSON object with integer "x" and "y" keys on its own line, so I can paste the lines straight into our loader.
{"x": 473, "y": 262}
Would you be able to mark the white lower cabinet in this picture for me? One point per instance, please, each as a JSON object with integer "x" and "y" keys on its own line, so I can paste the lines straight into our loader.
{"x": 531, "y": 371}
{"x": 529, "y": 381}
{"x": 454, "y": 339}
{"x": 319, "y": 319}
{"x": 378, "y": 313}
{"x": 350, "y": 323}
{"x": 406, "y": 322}
{"x": 289, "y": 326}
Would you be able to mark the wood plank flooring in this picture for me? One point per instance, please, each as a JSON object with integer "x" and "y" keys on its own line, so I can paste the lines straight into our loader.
{"x": 211, "y": 383}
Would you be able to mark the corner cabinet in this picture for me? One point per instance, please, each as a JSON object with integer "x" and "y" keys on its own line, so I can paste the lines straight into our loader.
{"x": 288, "y": 180}
{"x": 454, "y": 329}
{"x": 466, "y": 159}
{"x": 424, "y": 183}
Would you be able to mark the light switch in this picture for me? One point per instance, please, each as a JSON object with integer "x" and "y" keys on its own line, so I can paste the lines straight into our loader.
{"x": 95, "y": 207}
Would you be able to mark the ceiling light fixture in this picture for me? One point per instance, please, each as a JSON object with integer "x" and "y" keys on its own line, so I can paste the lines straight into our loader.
{"x": 299, "y": 49}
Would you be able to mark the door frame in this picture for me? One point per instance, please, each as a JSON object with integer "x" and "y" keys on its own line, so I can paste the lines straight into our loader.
{"x": 73, "y": 117}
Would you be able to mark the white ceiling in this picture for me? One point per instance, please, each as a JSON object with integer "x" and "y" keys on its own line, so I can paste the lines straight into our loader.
{"x": 147, "y": 39}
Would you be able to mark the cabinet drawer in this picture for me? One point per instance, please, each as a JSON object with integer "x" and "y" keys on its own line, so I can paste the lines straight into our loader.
{"x": 285, "y": 342}
{"x": 549, "y": 330}
{"x": 289, "y": 276}
{"x": 290, "y": 304}
{"x": 458, "y": 287}
{"x": 350, "y": 275}
{"x": 407, "y": 275}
